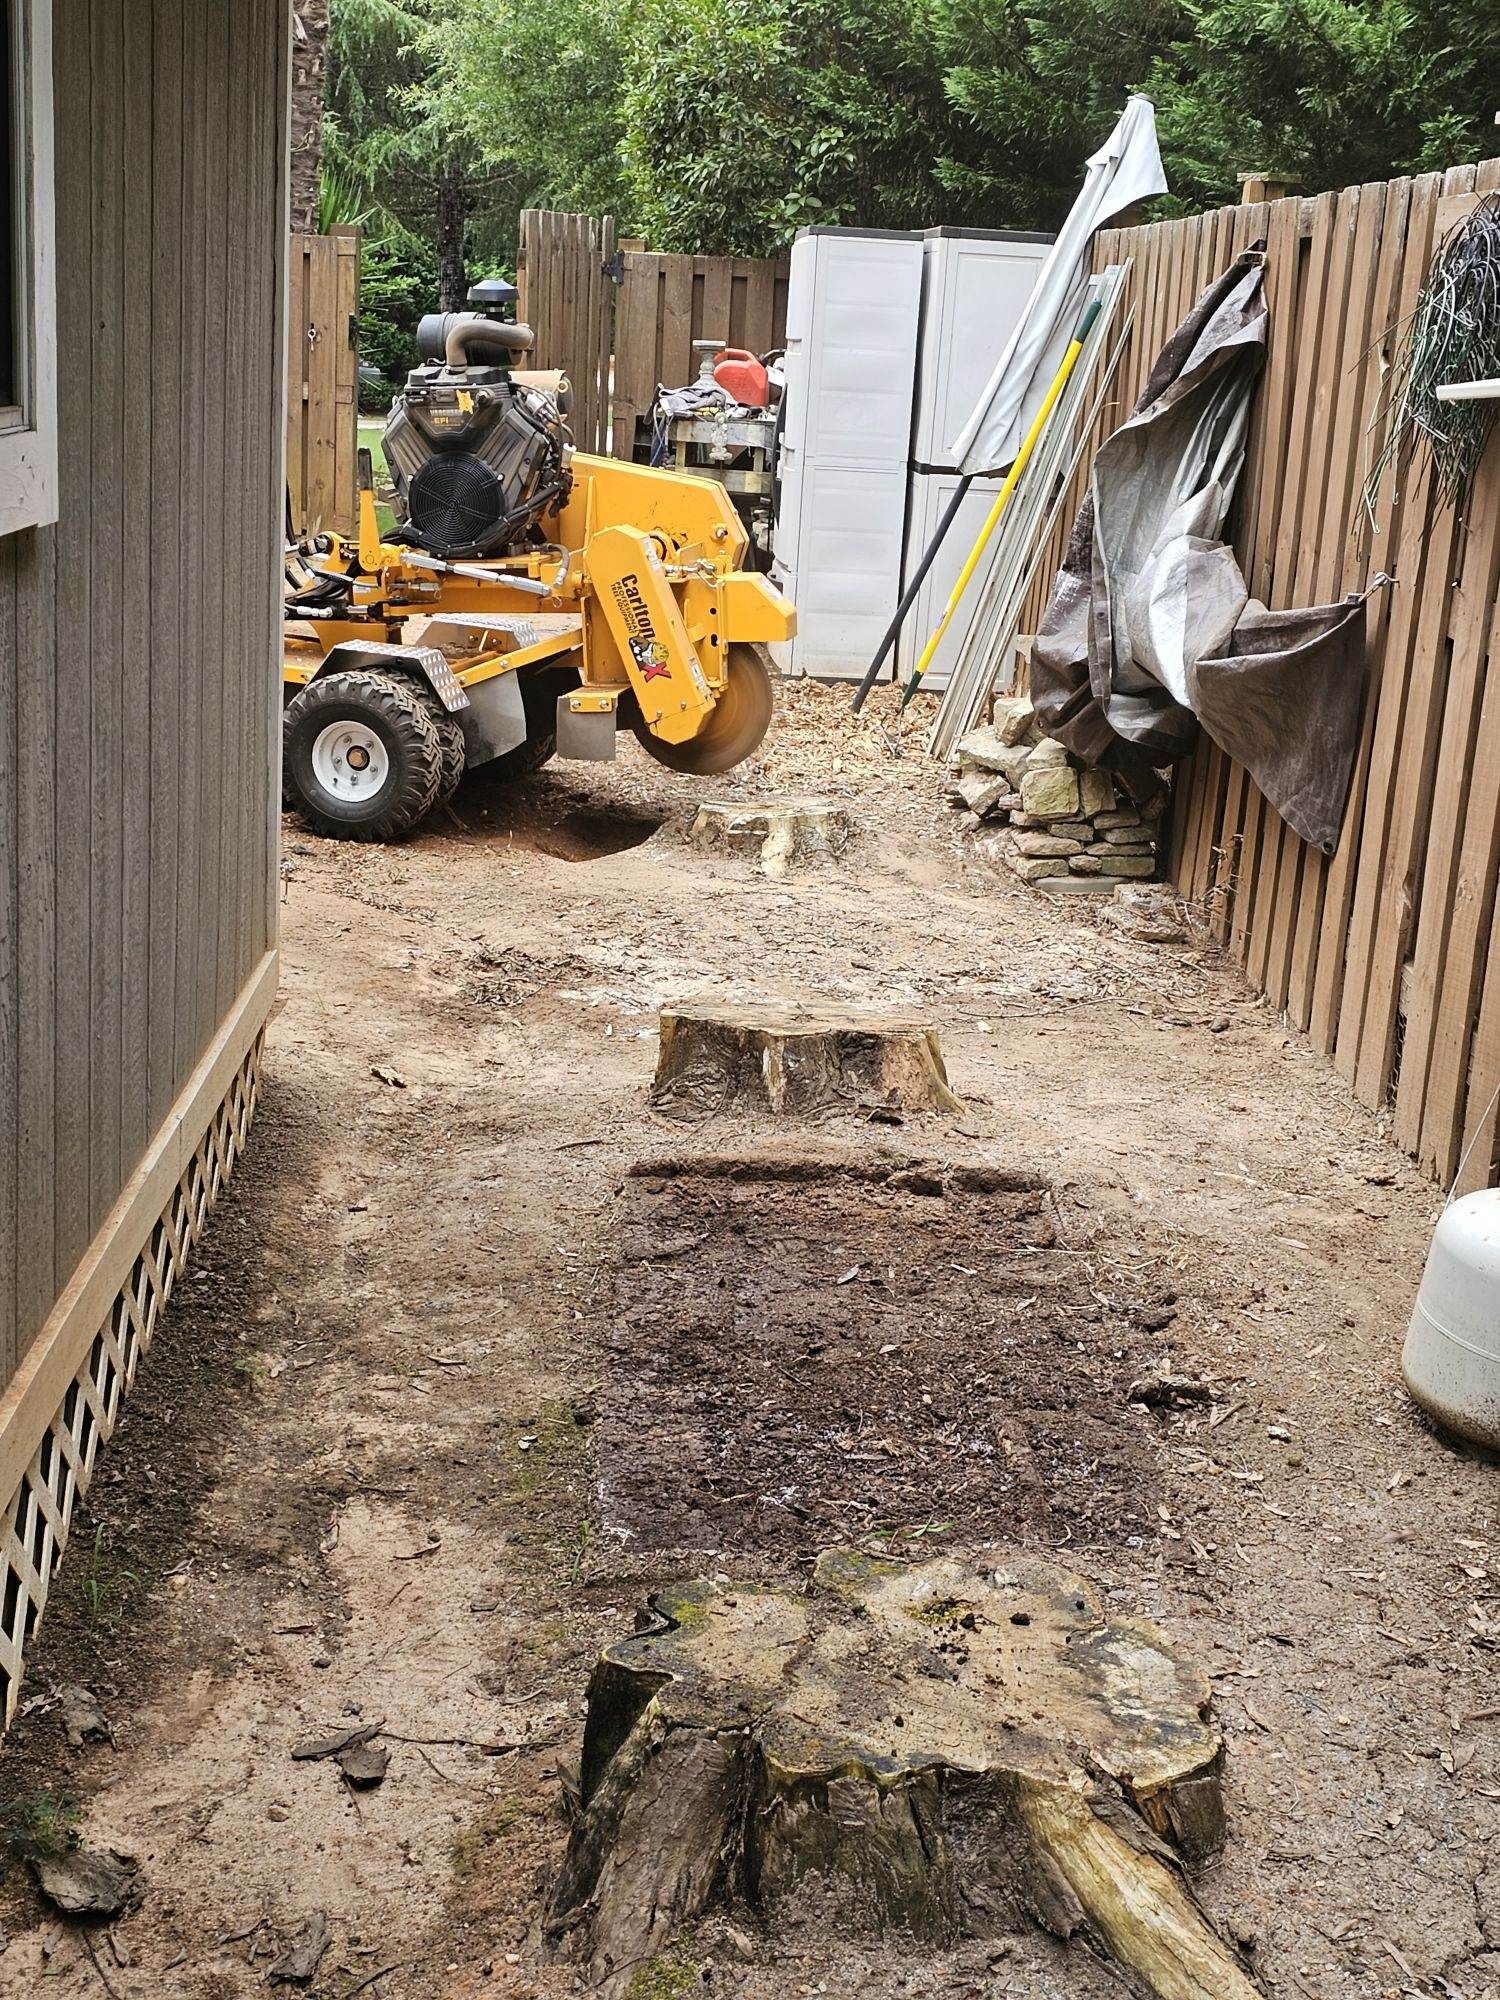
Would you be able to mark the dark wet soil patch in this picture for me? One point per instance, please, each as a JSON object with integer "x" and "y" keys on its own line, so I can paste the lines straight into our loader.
{"x": 149, "y": 1514}
{"x": 816, "y": 1354}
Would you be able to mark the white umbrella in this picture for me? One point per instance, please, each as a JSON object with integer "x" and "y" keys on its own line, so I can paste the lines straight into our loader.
{"x": 1126, "y": 169}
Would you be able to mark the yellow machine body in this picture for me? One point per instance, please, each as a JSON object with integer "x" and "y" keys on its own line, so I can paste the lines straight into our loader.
{"x": 643, "y": 595}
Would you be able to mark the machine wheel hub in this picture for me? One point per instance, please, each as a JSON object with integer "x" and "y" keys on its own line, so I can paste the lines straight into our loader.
{"x": 349, "y": 760}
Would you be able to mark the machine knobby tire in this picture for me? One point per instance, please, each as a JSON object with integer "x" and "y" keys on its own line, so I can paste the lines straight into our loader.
{"x": 450, "y": 737}
{"x": 394, "y": 711}
{"x": 455, "y": 756}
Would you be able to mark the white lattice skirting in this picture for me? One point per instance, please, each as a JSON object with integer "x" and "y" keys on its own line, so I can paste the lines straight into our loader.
{"x": 66, "y": 1396}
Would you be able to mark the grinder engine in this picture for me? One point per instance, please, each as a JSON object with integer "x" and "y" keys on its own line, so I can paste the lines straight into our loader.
{"x": 478, "y": 449}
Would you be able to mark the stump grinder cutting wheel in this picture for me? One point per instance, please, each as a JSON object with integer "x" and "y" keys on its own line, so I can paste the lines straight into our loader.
{"x": 530, "y": 599}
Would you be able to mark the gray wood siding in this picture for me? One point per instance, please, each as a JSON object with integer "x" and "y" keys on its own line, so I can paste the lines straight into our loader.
{"x": 139, "y": 638}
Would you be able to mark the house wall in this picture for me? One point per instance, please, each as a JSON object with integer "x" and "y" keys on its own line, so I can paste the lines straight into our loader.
{"x": 138, "y": 638}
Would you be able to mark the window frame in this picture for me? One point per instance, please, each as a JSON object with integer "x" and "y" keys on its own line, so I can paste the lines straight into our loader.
{"x": 28, "y": 429}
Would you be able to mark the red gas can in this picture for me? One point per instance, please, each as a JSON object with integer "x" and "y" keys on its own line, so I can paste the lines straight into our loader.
{"x": 742, "y": 376}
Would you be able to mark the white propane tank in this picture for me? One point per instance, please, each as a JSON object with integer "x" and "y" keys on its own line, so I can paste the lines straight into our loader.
{"x": 1451, "y": 1360}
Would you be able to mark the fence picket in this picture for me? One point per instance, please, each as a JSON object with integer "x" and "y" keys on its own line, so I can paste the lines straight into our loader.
{"x": 322, "y": 381}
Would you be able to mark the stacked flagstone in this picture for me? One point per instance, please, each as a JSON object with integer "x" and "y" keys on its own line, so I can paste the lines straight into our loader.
{"x": 1056, "y": 817}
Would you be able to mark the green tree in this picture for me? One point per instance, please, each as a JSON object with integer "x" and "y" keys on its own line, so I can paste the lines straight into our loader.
{"x": 748, "y": 119}
{"x": 727, "y": 125}
{"x": 1324, "y": 93}
{"x": 1319, "y": 92}
{"x": 390, "y": 128}
{"x": 1037, "y": 84}
{"x": 537, "y": 93}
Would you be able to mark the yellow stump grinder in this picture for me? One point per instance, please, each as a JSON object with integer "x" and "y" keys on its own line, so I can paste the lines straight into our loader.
{"x": 531, "y": 600}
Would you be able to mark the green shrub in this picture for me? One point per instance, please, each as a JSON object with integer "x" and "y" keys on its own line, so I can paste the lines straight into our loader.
{"x": 397, "y": 284}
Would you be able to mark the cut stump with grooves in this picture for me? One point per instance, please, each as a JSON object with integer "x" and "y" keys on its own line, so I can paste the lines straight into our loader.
{"x": 781, "y": 834}
{"x": 936, "y": 1749}
{"x": 796, "y": 1062}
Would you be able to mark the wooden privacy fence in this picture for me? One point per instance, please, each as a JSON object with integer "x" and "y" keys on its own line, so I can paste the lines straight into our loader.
{"x": 565, "y": 272}
{"x": 621, "y": 321}
{"x": 1387, "y": 953}
{"x": 668, "y": 302}
{"x": 322, "y": 431}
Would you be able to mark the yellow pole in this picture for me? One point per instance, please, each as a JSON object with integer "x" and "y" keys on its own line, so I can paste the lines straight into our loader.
{"x": 1028, "y": 443}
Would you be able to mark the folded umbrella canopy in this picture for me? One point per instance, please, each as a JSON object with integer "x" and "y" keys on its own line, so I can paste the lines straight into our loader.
{"x": 1126, "y": 169}
{"x": 1150, "y": 629}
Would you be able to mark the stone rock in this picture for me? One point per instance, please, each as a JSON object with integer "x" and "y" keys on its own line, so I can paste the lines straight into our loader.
{"x": 88, "y": 1882}
{"x": 984, "y": 749}
{"x": 982, "y": 790}
{"x": 1033, "y": 867}
{"x": 83, "y": 1720}
{"x": 364, "y": 1764}
{"x": 1097, "y": 791}
{"x": 1152, "y": 913}
{"x": 1050, "y": 791}
{"x": 1015, "y": 720}
{"x": 1030, "y": 842}
{"x": 1113, "y": 864}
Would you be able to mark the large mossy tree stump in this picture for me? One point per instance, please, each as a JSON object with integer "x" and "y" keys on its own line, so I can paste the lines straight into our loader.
{"x": 781, "y": 835}
{"x": 936, "y": 1749}
{"x": 796, "y": 1062}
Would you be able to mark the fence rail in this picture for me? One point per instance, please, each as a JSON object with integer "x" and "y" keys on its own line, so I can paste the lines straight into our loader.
{"x": 322, "y": 434}
{"x": 1387, "y": 953}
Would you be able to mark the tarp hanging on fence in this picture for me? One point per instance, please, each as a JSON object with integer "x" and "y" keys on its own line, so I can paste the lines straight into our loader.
{"x": 1150, "y": 629}
{"x": 1126, "y": 169}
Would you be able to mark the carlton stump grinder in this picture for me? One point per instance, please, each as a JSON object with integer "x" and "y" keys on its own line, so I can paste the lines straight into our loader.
{"x": 531, "y": 601}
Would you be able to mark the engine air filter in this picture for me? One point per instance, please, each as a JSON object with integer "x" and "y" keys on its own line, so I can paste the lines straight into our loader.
{"x": 455, "y": 500}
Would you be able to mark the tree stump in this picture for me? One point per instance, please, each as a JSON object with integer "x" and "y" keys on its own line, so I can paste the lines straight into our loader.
{"x": 781, "y": 835}
{"x": 936, "y": 1749}
{"x": 796, "y": 1062}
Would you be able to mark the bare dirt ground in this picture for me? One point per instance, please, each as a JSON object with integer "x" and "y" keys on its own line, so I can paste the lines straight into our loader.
{"x": 435, "y": 1409}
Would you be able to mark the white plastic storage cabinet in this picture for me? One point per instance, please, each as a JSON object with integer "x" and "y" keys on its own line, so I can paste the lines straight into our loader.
{"x": 853, "y": 318}
{"x": 975, "y": 284}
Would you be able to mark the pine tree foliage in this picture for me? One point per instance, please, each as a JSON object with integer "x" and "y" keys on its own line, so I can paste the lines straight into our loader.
{"x": 726, "y": 125}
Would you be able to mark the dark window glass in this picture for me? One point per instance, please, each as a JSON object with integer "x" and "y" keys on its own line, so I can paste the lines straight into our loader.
{"x": 9, "y": 180}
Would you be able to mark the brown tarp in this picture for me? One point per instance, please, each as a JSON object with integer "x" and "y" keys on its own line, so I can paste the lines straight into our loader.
{"x": 1150, "y": 631}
